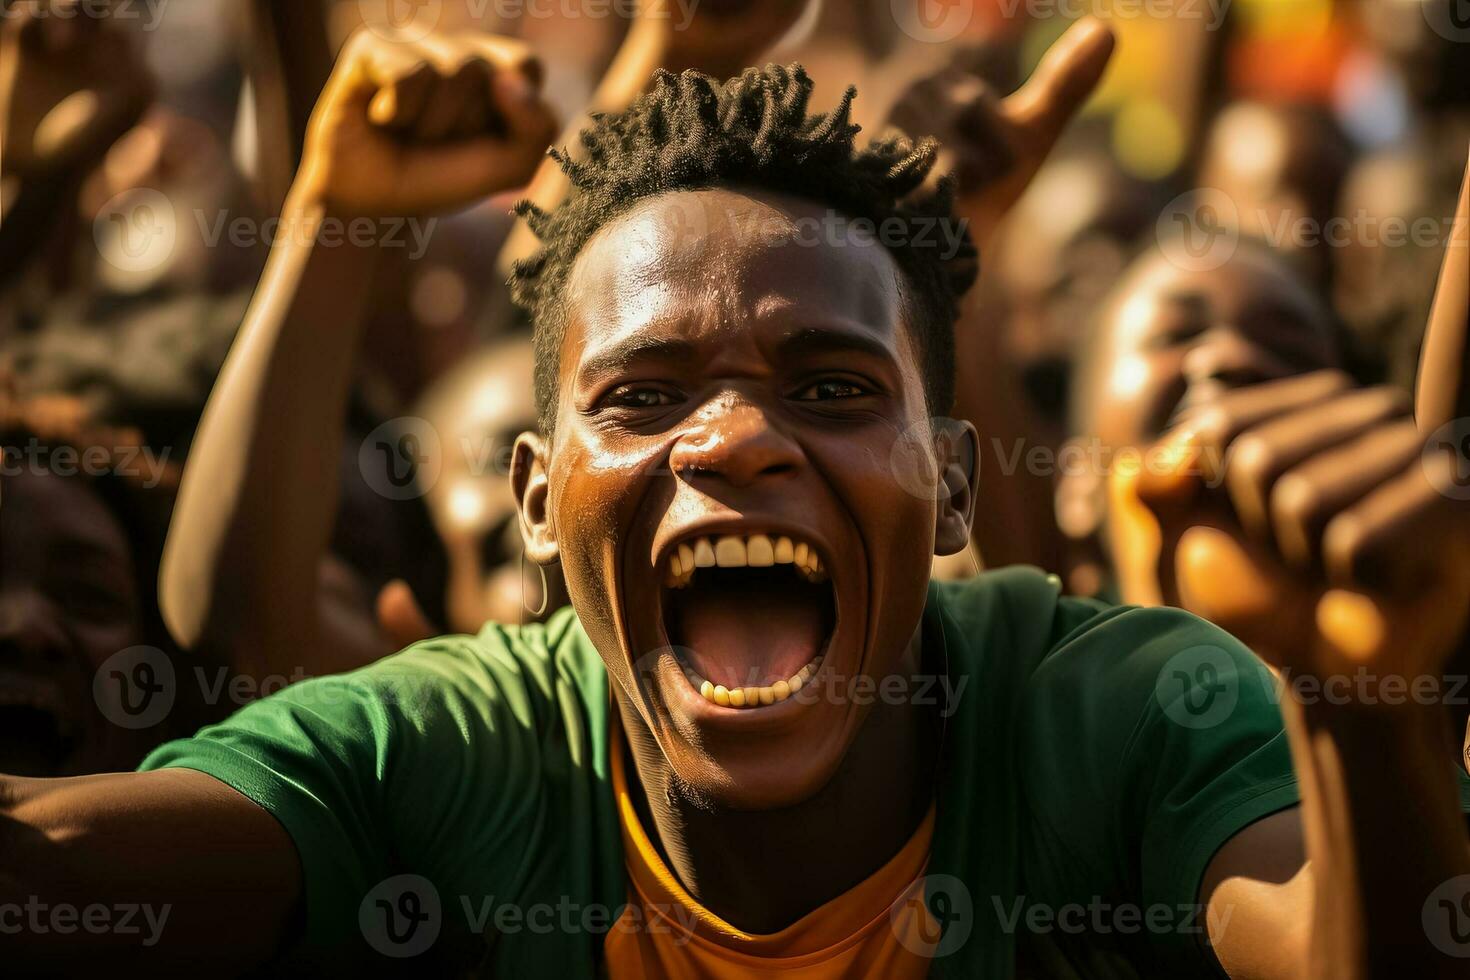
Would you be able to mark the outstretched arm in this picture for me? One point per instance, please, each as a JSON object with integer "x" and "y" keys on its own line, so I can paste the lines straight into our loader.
{"x": 166, "y": 857}
{"x": 1336, "y": 551}
{"x": 401, "y": 130}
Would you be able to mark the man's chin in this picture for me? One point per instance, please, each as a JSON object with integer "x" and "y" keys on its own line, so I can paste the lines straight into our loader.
{"x": 771, "y": 776}
{"x": 743, "y": 759}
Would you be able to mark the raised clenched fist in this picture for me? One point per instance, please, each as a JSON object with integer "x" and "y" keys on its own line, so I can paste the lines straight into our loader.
{"x": 1310, "y": 518}
{"x": 72, "y": 81}
{"x": 418, "y": 126}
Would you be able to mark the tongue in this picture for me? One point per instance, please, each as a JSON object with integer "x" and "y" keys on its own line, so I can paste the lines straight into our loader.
{"x": 751, "y": 635}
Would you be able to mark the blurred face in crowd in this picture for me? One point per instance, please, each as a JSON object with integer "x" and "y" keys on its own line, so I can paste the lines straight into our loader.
{"x": 1420, "y": 37}
{"x": 1064, "y": 248}
{"x": 732, "y": 391}
{"x": 478, "y": 409}
{"x": 1172, "y": 339}
{"x": 68, "y": 602}
{"x": 1281, "y": 168}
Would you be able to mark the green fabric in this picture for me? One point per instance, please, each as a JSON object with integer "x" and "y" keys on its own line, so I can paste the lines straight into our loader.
{"x": 1072, "y": 776}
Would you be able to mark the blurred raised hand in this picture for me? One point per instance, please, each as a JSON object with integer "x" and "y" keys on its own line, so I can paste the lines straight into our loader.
{"x": 72, "y": 80}
{"x": 409, "y": 127}
{"x": 996, "y": 145}
{"x": 716, "y": 37}
{"x": 1336, "y": 539}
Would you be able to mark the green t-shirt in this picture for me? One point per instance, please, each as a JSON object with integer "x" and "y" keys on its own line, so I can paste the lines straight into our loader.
{"x": 453, "y": 801}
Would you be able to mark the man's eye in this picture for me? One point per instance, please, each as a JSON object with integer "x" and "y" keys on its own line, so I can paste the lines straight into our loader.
{"x": 631, "y": 396}
{"x": 830, "y": 390}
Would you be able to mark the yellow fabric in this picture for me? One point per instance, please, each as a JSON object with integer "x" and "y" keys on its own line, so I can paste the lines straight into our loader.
{"x": 879, "y": 928}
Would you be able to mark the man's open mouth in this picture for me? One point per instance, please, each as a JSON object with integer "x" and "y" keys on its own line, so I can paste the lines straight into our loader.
{"x": 37, "y": 733}
{"x": 749, "y": 616}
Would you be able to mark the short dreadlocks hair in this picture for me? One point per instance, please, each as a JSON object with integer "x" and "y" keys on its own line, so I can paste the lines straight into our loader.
{"x": 690, "y": 132}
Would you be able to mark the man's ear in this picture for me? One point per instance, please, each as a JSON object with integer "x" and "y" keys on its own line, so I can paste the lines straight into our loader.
{"x": 528, "y": 480}
{"x": 957, "y": 450}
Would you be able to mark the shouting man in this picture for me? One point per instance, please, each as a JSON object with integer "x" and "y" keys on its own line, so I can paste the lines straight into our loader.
{"x": 760, "y": 740}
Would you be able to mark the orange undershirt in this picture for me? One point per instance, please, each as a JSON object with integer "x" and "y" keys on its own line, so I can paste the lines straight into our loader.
{"x": 878, "y": 928}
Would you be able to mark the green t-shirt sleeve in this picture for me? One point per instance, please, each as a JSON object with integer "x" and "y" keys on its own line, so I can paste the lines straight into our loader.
{"x": 1149, "y": 738}
{"x": 402, "y": 767}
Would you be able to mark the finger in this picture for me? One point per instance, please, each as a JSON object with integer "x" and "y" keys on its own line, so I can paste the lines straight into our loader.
{"x": 1260, "y": 455}
{"x": 1307, "y": 496}
{"x": 401, "y": 95}
{"x": 507, "y": 54}
{"x": 476, "y": 114}
{"x": 526, "y": 117}
{"x": 1397, "y": 538}
{"x": 446, "y": 102}
{"x": 514, "y": 83}
{"x": 1067, "y": 75}
{"x": 1443, "y": 392}
{"x": 1222, "y": 579}
{"x": 1219, "y": 423}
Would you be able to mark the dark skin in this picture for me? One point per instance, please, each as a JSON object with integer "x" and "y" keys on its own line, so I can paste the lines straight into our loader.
{"x": 1171, "y": 338}
{"x": 995, "y": 147}
{"x": 70, "y": 86}
{"x": 728, "y": 426}
{"x": 68, "y": 601}
{"x": 760, "y": 434}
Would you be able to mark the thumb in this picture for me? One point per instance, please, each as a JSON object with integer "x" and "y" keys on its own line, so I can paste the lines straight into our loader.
{"x": 1444, "y": 364}
{"x": 400, "y": 617}
{"x": 1065, "y": 78}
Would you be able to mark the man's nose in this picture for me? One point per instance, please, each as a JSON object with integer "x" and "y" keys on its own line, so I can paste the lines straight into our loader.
{"x": 27, "y": 632}
{"x": 1222, "y": 355}
{"x": 736, "y": 442}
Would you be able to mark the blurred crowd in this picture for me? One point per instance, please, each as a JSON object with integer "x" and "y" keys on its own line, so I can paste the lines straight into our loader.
{"x": 1260, "y": 188}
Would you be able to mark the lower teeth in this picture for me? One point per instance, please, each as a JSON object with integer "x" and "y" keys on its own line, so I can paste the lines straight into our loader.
{"x": 756, "y": 697}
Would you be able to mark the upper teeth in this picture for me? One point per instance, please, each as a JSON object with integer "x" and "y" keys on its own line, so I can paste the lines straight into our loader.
{"x": 739, "y": 551}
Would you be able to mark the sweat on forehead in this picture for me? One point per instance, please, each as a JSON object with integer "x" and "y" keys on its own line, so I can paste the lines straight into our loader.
{"x": 725, "y": 258}
{"x": 691, "y": 132}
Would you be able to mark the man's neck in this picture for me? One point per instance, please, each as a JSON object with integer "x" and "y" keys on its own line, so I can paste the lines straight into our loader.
{"x": 762, "y": 870}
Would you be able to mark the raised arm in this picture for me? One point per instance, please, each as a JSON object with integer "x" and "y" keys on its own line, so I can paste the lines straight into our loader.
{"x": 163, "y": 869}
{"x": 662, "y": 35}
{"x": 402, "y": 130}
{"x": 995, "y": 147}
{"x": 1336, "y": 551}
{"x": 70, "y": 85}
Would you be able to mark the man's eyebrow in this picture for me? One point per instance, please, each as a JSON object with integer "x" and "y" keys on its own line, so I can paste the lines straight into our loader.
{"x": 824, "y": 340}
{"x": 634, "y": 350}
